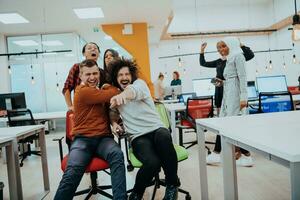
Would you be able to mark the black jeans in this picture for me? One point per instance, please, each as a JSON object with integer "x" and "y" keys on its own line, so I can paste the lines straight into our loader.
{"x": 83, "y": 149}
{"x": 155, "y": 150}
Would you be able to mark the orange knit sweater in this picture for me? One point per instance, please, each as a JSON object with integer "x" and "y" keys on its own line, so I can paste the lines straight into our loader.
{"x": 91, "y": 117}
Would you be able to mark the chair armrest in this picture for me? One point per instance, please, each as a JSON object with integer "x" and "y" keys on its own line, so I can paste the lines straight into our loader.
{"x": 59, "y": 140}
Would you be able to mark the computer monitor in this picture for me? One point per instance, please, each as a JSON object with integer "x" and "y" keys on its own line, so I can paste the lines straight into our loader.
{"x": 184, "y": 97}
{"x": 271, "y": 83}
{"x": 175, "y": 89}
{"x": 203, "y": 87}
{"x": 12, "y": 101}
{"x": 252, "y": 93}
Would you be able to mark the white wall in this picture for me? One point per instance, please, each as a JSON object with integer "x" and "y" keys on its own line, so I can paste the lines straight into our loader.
{"x": 211, "y": 17}
{"x": 4, "y": 75}
{"x": 193, "y": 70}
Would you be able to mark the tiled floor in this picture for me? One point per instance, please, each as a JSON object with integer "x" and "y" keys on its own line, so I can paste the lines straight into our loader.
{"x": 265, "y": 181}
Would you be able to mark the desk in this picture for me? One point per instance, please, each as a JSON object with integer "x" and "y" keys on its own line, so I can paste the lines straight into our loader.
{"x": 48, "y": 116}
{"x": 253, "y": 132}
{"x": 20, "y": 132}
{"x": 13, "y": 169}
{"x": 173, "y": 108}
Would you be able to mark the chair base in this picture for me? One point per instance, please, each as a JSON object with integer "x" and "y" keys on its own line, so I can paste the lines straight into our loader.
{"x": 95, "y": 189}
{"x": 27, "y": 153}
{"x": 161, "y": 182}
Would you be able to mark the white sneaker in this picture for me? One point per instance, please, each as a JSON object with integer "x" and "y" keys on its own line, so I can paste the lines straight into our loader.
{"x": 245, "y": 161}
{"x": 213, "y": 158}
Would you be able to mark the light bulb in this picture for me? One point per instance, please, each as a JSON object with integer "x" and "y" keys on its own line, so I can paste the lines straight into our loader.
{"x": 57, "y": 87}
{"x": 179, "y": 62}
{"x": 294, "y": 59}
{"x": 9, "y": 69}
{"x": 266, "y": 68}
{"x": 256, "y": 72}
{"x": 270, "y": 64}
{"x": 284, "y": 66}
{"x": 184, "y": 71}
{"x": 32, "y": 80}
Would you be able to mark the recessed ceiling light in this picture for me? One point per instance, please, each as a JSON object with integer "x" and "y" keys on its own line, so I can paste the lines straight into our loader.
{"x": 52, "y": 43}
{"x": 107, "y": 37}
{"x": 89, "y": 13}
{"x": 26, "y": 43}
{"x": 12, "y": 18}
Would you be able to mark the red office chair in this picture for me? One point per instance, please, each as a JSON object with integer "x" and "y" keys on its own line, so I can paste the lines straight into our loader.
{"x": 196, "y": 108}
{"x": 97, "y": 164}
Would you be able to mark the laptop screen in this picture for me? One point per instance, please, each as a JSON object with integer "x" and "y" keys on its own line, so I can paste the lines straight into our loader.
{"x": 203, "y": 87}
{"x": 271, "y": 83}
{"x": 252, "y": 93}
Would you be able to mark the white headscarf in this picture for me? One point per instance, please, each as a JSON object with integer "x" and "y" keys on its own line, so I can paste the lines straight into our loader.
{"x": 233, "y": 44}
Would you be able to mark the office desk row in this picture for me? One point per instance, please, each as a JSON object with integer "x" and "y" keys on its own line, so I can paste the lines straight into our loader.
{"x": 8, "y": 139}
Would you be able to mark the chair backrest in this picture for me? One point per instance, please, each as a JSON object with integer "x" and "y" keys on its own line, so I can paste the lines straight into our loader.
{"x": 275, "y": 102}
{"x": 20, "y": 117}
{"x": 69, "y": 127}
{"x": 199, "y": 107}
{"x": 163, "y": 114}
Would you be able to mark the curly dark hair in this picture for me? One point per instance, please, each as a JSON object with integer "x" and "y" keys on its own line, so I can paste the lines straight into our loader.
{"x": 117, "y": 64}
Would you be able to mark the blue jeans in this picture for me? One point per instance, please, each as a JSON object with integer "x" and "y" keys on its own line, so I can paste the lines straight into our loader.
{"x": 83, "y": 149}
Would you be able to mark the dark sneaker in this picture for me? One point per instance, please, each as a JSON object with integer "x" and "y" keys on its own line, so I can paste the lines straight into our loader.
{"x": 171, "y": 192}
{"x": 135, "y": 196}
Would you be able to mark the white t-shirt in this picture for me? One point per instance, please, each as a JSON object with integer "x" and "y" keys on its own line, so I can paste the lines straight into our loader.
{"x": 139, "y": 115}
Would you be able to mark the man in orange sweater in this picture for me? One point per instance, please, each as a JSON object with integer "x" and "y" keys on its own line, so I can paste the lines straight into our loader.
{"x": 92, "y": 135}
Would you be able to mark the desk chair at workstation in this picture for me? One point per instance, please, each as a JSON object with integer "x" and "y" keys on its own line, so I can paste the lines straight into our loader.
{"x": 275, "y": 102}
{"x": 23, "y": 117}
{"x": 181, "y": 153}
{"x": 97, "y": 164}
{"x": 196, "y": 108}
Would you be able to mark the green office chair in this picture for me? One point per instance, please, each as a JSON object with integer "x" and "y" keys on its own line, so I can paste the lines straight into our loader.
{"x": 181, "y": 153}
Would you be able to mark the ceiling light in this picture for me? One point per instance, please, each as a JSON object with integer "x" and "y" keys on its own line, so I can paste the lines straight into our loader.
{"x": 107, "y": 37}
{"x": 12, "y": 18}
{"x": 52, "y": 43}
{"x": 26, "y": 43}
{"x": 89, "y": 13}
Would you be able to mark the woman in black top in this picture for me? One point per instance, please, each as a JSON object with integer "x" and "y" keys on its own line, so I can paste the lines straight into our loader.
{"x": 220, "y": 64}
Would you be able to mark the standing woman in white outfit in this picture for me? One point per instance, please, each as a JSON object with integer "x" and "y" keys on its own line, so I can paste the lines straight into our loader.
{"x": 235, "y": 90}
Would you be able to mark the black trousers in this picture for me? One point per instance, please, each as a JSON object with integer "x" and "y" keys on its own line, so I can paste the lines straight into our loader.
{"x": 218, "y": 146}
{"x": 155, "y": 150}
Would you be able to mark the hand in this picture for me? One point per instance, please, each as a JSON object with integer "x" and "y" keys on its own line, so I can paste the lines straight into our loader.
{"x": 117, "y": 129}
{"x": 243, "y": 104}
{"x": 71, "y": 108}
{"x": 219, "y": 82}
{"x": 105, "y": 86}
{"x": 117, "y": 100}
{"x": 203, "y": 46}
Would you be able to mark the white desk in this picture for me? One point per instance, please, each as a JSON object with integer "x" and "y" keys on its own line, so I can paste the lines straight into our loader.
{"x": 173, "y": 108}
{"x": 169, "y": 101}
{"x": 253, "y": 132}
{"x": 20, "y": 132}
{"x": 48, "y": 116}
{"x": 13, "y": 169}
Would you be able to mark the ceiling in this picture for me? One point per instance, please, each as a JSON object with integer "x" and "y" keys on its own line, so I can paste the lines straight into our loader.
{"x": 57, "y": 16}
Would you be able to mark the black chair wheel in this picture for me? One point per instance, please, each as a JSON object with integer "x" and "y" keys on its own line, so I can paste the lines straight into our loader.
{"x": 130, "y": 168}
{"x": 188, "y": 197}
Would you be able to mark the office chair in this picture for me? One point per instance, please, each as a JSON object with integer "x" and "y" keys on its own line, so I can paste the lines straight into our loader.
{"x": 181, "y": 153}
{"x": 163, "y": 114}
{"x": 196, "y": 108}
{"x": 275, "y": 102}
{"x": 97, "y": 164}
{"x": 23, "y": 118}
